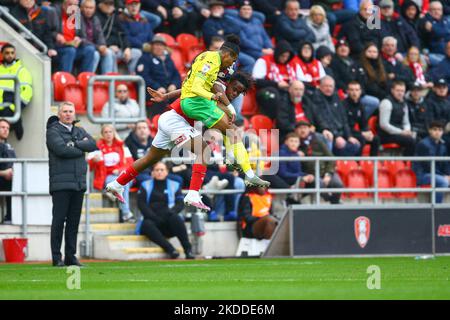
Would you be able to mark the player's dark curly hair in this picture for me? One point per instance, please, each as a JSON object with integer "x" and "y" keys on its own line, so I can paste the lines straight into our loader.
{"x": 231, "y": 44}
{"x": 244, "y": 78}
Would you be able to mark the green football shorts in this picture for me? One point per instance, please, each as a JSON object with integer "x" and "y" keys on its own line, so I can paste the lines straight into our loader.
{"x": 201, "y": 109}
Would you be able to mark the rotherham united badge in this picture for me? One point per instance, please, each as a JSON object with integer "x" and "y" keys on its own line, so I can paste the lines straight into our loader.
{"x": 362, "y": 230}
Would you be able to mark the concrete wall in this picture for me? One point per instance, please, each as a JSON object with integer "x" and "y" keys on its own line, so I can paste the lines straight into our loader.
{"x": 36, "y": 114}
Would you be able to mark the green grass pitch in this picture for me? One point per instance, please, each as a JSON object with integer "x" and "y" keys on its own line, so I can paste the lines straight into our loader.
{"x": 343, "y": 278}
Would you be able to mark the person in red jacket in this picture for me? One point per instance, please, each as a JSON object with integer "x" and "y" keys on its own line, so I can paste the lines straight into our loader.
{"x": 108, "y": 162}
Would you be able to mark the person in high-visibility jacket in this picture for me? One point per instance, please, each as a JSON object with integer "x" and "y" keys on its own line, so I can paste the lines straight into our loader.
{"x": 14, "y": 67}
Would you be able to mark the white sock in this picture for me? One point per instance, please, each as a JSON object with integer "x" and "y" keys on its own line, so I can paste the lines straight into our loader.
{"x": 193, "y": 193}
{"x": 250, "y": 174}
{"x": 116, "y": 184}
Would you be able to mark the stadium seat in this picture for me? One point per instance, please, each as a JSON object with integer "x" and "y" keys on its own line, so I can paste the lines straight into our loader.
{"x": 193, "y": 53}
{"x": 170, "y": 41}
{"x": 260, "y": 122}
{"x": 357, "y": 179}
{"x": 373, "y": 122}
{"x": 101, "y": 96}
{"x": 61, "y": 79}
{"x": 384, "y": 181}
{"x": 249, "y": 106}
{"x": 74, "y": 93}
{"x": 83, "y": 78}
{"x": 405, "y": 178}
{"x": 185, "y": 42}
{"x": 177, "y": 57}
{"x": 393, "y": 166}
{"x": 367, "y": 167}
{"x": 343, "y": 167}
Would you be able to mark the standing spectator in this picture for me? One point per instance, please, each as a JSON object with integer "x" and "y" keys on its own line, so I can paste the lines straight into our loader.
{"x": 107, "y": 163}
{"x": 66, "y": 145}
{"x": 317, "y": 22}
{"x": 273, "y": 73}
{"x": 116, "y": 41}
{"x": 357, "y": 31}
{"x": 395, "y": 26}
{"x": 310, "y": 69}
{"x": 442, "y": 70}
{"x": 357, "y": 119}
{"x": 392, "y": 63}
{"x": 12, "y": 66}
{"x": 159, "y": 71}
{"x": 376, "y": 82}
{"x": 71, "y": 43}
{"x": 438, "y": 105}
{"x": 332, "y": 120}
{"x": 433, "y": 146}
{"x": 139, "y": 142}
{"x": 418, "y": 112}
{"x": 291, "y": 171}
{"x": 160, "y": 202}
{"x": 137, "y": 28}
{"x": 312, "y": 146}
{"x": 290, "y": 26}
{"x": 435, "y": 29}
{"x": 35, "y": 19}
{"x": 255, "y": 219}
{"x": 124, "y": 107}
{"x": 94, "y": 35}
{"x": 394, "y": 120}
{"x": 6, "y": 168}
{"x": 418, "y": 67}
{"x": 255, "y": 41}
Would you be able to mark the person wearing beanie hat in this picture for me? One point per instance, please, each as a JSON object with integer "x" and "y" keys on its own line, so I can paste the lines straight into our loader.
{"x": 317, "y": 22}
{"x": 325, "y": 56}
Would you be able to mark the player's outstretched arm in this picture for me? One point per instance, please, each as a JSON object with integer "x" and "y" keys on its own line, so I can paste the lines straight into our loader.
{"x": 160, "y": 97}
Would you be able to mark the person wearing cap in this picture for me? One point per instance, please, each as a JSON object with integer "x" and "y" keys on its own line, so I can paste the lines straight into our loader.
{"x": 116, "y": 41}
{"x": 433, "y": 146}
{"x": 137, "y": 28}
{"x": 418, "y": 110}
{"x": 343, "y": 65}
{"x": 292, "y": 27}
{"x": 357, "y": 31}
{"x": 317, "y": 22}
{"x": 438, "y": 104}
{"x": 395, "y": 26}
{"x": 311, "y": 145}
{"x": 435, "y": 32}
{"x": 158, "y": 69}
{"x": 392, "y": 62}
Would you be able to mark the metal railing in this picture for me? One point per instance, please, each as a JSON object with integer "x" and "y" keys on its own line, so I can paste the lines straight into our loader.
{"x": 17, "y": 99}
{"x": 111, "y": 89}
{"x": 28, "y": 34}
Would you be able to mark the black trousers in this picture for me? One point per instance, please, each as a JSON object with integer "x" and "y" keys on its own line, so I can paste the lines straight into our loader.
{"x": 374, "y": 144}
{"x": 6, "y": 185}
{"x": 407, "y": 143}
{"x": 66, "y": 209}
{"x": 172, "y": 226}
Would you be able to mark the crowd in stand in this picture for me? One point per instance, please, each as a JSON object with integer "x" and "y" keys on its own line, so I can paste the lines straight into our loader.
{"x": 334, "y": 76}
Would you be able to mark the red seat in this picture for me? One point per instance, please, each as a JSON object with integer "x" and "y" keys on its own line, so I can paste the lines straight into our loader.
{"x": 405, "y": 178}
{"x": 385, "y": 181}
{"x": 83, "y": 78}
{"x": 357, "y": 179}
{"x": 249, "y": 106}
{"x": 343, "y": 167}
{"x": 367, "y": 167}
{"x": 393, "y": 166}
{"x": 185, "y": 42}
{"x": 260, "y": 122}
{"x": 178, "y": 60}
{"x": 372, "y": 123}
{"x": 170, "y": 41}
{"x": 61, "y": 79}
{"x": 101, "y": 96}
{"x": 72, "y": 92}
{"x": 193, "y": 53}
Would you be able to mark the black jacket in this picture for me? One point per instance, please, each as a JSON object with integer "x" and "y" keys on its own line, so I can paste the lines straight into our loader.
{"x": 286, "y": 113}
{"x": 418, "y": 116}
{"x": 375, "y": 88}
{"x": 6, "y": 151}
{"x": 356, "y": 114}
{"x": 137, "y": 149}
{"x": 112, "y": 30}
{"x": 438, "y": 108}
{"x": 401, "y": 72}
{"x": 347, "y": 70}
{"x": 67, "y": 163}
{"x": 400, "y": 29}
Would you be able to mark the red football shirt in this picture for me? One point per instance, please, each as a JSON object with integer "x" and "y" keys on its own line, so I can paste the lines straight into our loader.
{"x": 176, "y": 105}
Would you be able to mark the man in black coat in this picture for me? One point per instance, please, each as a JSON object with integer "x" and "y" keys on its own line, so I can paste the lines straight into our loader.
{"x": 396, "y": 71}
{"x": 438, "y": 106}
{"x": 66, "y": 144}
{"x": 417, "y": 108}
{"x": 6, "y": 168}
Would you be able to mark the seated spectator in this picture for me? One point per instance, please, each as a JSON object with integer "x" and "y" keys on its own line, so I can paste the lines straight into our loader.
{"x": 234, "y": 13}
{"x": 325, "y": 56}
{"x": 442, "y": 70}
{"x": 435, "y": 31}
{"x": 94, "y": 35}
{"x": 12, "y": 66}
{"x": 137, "y": 28}
{"x": 255, "y": 219}
{"x": 116, "y": 41}
{"x": 271, "y": 9}
{"x": 433, "y": 146}
{"x": 392, "y": 63}
{"x": 418, "y": 67}
{"x": 312, "y": 146}
{"x": 273, "y": 73}
{"x": 139, "y": 142}
{"x": 293, "y": 108}
{"x": 107, "y": 163}
{"x": 216, "y": 43}
{"x": 124, "y": 107}
{"x": 438, "y": 105}
{"x": 395, "y": 126}
{"x": 32, "y": 17}
{"x": 410, "y": 12}
{"x": 311, "y": 70}
{"x": 71, "y": 43}
{"x": 393, "y": 25}
{"x": 255, "y": 41}
{"x": 317, "y": 22}
{"x": 418, "y": 111}
{"x": 359, "y": 32}
{"x": 291, "y": 171}
{"x": 376, "y": 81}
{"x": 154, "y": 11}
{"x": 335, "y": 13}
{"x": 357, "y": 119}
{"x": 332, "y": 120}
{"x": 159, "y": 71}
{"x": 290, "y": 26}
{"x": 186, "y": 16}
{"x": 160, "y": 202}
{"x": 6, "y": 168}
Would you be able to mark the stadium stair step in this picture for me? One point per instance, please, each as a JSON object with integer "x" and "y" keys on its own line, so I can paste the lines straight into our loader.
{"x": 101, "y": 215}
